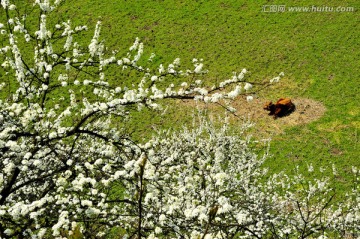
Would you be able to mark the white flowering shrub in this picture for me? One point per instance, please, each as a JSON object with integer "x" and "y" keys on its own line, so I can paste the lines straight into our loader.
{"x": 206, "y": 183}
{"x": 66, "y": 167}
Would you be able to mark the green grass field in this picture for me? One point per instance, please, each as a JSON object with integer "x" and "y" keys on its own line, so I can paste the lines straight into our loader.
{"x": 318, "y": 51}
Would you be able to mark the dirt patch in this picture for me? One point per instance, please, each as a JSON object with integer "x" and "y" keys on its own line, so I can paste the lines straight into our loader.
{"x": 306, "y": 111}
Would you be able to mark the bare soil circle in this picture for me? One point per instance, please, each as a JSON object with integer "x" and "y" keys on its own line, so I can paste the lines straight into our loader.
{"x": 306, "y": 111}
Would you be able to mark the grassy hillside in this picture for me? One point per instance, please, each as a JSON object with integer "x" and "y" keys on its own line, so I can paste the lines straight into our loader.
{"x": 318, "y": 51}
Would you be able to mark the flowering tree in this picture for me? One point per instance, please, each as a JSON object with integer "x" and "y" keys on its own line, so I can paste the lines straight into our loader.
{"x": 68, "y": 167}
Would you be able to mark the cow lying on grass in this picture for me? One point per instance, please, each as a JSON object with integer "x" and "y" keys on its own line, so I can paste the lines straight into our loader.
{"x": 283, "y": 107}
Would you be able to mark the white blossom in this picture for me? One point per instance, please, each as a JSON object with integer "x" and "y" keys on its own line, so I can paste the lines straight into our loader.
{"x": 247, "y": 86}
{"x": 233, "y": 94}
{"x": 8, "y": 232}
{"x": 198, "y": 68}
{"x": 249, "y": 98}
{"x": 94, "y": 45}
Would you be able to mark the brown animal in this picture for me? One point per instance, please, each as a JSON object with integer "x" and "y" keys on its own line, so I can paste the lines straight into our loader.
{"x": 283, "y": 107}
